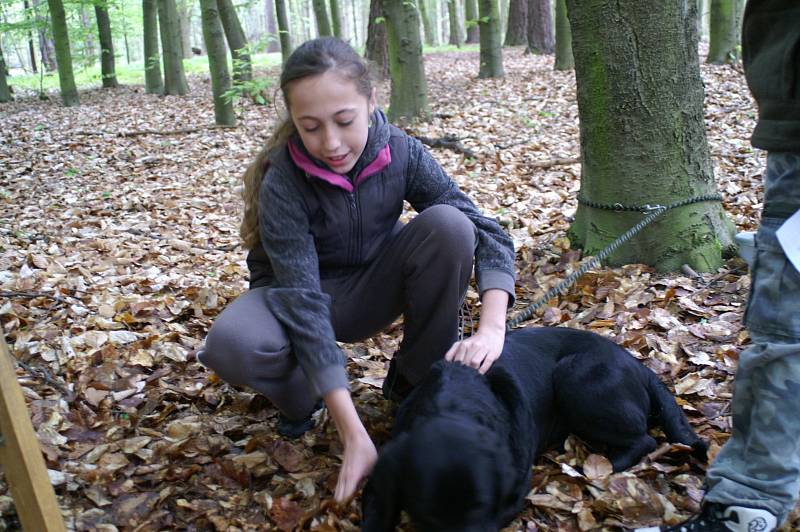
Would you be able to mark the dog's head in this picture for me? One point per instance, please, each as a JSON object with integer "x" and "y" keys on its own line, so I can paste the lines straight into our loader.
{"x": 447, "y": 473}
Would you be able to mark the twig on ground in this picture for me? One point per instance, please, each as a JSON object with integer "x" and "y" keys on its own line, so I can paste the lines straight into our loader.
{"x": 44, "y": 374}
{"x": 167, "y": 132}
{"x": 553, "y": 162}
{"x": 32, "y": 295}
{"x": 448, "y": 142}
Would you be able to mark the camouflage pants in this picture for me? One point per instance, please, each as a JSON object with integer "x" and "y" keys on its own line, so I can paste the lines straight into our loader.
{"x": 759, "y": 466}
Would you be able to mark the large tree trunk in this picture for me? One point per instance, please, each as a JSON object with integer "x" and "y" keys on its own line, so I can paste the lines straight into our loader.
{"x": 541, "y": 38}
{"x": 273, "y": 44}
{"x": 517, "y": 32}
{"x": 722, "y": 32}
{"x": 427, "y": 26}
{"x": 5, "y": 90}
{"x": 237, "y": 42}
{"x": 336, "y": 18}
{"x": 217, "y": 61}
{"x": 642, "y": 133}
{"x": 471, "y": 16}
{"x": 284, "y": 34}
{"x": 455, "y": 23}
{"x": 107, "y": 70}
{"x": 409, "y": 97}
{"x": 185, "y": 16}
{"x": 564, "y": 60}
{"x": 321, "y": 16}
{"x": 58, "y": 18}
{"x": 377, "y": 47}
{"x": 491, "y": 55}
{"x": 169, "y": 26}
{"x": 153, "y": 82}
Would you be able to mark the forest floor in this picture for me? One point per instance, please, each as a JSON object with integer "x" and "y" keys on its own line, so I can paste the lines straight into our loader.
{"x": 118, "y": 247}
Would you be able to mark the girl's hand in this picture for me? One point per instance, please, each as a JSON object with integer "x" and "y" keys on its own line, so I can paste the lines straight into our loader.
{"x": 478, "y": 351}
{"x": 360, "y": 456}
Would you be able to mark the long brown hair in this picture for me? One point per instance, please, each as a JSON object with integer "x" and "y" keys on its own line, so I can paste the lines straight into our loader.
{"x": 312, "y": 58}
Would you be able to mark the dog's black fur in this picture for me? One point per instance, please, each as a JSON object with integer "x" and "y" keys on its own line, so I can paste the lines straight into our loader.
{"x": 463, "y": 443}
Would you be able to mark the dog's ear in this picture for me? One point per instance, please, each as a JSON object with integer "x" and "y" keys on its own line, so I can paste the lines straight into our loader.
{"x": 381, "y": 500}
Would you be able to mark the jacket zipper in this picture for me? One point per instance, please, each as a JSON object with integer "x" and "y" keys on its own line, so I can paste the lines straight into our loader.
{"x": 352, "y": 207}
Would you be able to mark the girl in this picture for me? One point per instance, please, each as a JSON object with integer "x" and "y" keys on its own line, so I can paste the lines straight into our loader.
{"x": 330, "y": 261}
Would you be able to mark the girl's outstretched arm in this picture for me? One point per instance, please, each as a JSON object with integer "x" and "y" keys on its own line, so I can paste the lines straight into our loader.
{"x": 360, "y": 454}
{"x": 484, "y": 347}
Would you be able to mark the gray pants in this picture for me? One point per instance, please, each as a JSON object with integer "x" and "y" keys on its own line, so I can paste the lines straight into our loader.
{"x": 422, "y": 273}
{"x": 759, "y": 466}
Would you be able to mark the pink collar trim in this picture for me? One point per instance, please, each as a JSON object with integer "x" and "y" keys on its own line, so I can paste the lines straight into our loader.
{"x": 307, "y": 165}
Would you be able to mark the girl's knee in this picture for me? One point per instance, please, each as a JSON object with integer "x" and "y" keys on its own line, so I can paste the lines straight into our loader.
{"x": 451, "y": 228}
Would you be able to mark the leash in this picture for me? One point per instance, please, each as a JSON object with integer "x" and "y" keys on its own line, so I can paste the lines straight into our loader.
{"x": 652, "y": 211}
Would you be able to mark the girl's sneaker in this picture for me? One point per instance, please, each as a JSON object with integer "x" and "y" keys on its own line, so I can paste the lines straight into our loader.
{"x": 716, "y": 517}
{"x": 294, "y": 428}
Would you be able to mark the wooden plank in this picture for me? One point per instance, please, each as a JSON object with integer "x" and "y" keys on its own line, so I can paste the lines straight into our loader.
{"x": 21, "y": 457}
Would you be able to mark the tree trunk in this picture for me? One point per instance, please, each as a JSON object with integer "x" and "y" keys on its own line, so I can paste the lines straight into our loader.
{"x": 31, "y": 47}
{"x": 46, "y": 49}
{"x": 377, "y": 48}
{"x": 5, "y": 90}
{"x": 273, "y": 43}
{"x": 427, "y": 25}
{"x": 491, "y": 55}
{"x": 722, "y": 32}
{"x": 541, "y": 39}
{"x": 564, "y": 60}
{"x": 643, "y": 134}
{"x": 237, "y": 42}
{"x": 517, "y": 32}
{"x": 321, "y": 16}
{"x": 354, "y": 6}
{"x": 58, "y": 18}
{"x": 471, "y": 16}
{"x": 455, "y": 24}
{"x": 153, "y": 82}
{"x": 217, "y": 61}
{"x": 108, "y": 73}
{"x": 168, "y": 24}
{"x": 283, "y": 29}
{"x": 409, "y": 97}
{"x": 185, "y": 15}
{"x": 336, "y": 18}
{"x": 88, "y": 33}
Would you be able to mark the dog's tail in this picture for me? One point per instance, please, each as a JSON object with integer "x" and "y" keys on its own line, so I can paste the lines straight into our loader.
{"x": 672, "y": 419}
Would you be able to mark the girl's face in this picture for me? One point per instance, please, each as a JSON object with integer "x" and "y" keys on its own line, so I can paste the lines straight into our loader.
{"x": 332, "y": 118}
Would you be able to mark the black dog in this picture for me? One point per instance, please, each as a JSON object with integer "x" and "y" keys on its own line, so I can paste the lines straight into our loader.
{"x": 463, "y": 443}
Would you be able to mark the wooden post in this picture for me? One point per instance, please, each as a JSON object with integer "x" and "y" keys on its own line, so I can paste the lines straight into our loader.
{"x": 21, "y": 457}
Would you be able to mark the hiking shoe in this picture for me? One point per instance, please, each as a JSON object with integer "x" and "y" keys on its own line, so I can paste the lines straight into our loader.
{"x": 395, "y": 386}
{"x": 294, "y": 428}
{"x": 716, "y": 517}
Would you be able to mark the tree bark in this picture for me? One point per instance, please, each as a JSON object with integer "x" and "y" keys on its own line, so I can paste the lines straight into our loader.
{"x": 237, "y": 42}
{"x": 409, "y": 97}
{"x": 284, "y": 34}
{"x": 455, "y": 23}
{"x": 491, "y": 54}
{"x": 5, "y": 90}
{"x": 273, "y": 44}
{"x": 377, "y": 47}
{"x": 66, "y": 79}
{"x": 643, "y": 134}
{"x": 517, "y": 32}
{"x": 153, "y": 82}
{"x": 427, "y": 25}
{"x": 88, "y": 33}
{"x": 564, "y": 60}
{"x": 217, "y": 62}
{"x": 321, "y": 16}
{"x": 471, "y": 16}
{"x": 722, "y": 32}
{"x": 541, "y": 39}
{"x": 185, "y": 16}
{"x": 31, "y": 47}
{"x": 46, "y": 48}
{"x": 174, "y": 76}
{"x": 336, "y": 18}
{"x": 107, "y": 70}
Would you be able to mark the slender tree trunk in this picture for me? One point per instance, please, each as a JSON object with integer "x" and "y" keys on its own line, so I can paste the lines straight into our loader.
{"x": 409, "y": 98}
{"x": 321, "y": 16}
{"x": 168, "y": 24}
{"x": 541, "y": 38}
{"x": 46, "y": 48}
{"x": 471, "y": 16}
{"x": 185, "y": 15}
{"x": 564, "y": 59}
{"x": 427, "y": 26}
{"x": 153, "y": 82}
{"x": 517, "y": 31}
{"x": 237, "y": 42}
{"x": 643, "y": 134}
{"x": 455, "y": 24}
{"x": 284, "y": 35}
{"x": 107, "y": 69}
{"x": 273, "y": 44}
{"x": 88, "y": 43}
{"x": 491, "y": 55}
{"x": 354, "y": 5}
{"x": 5, "y": 90}
{"x": 31, "y": 47}
{"x": 217, "y": 61}
{"x": 377, "y": 47}
{"x": 66, "y": 79}
{"x": 722, "y": 32}
{"x": 336, "y": 19}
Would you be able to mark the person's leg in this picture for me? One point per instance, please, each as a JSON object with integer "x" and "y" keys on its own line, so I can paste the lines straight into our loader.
{"x": 247, "y": 346}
